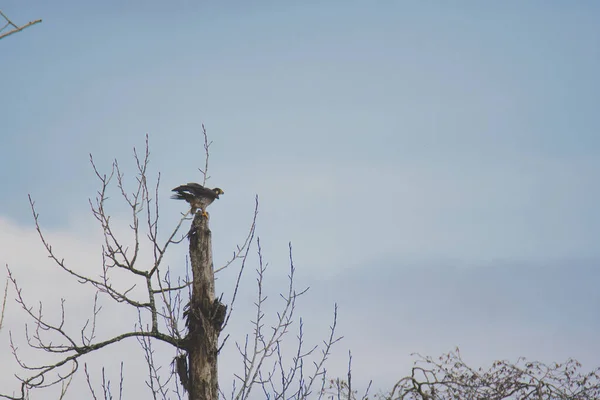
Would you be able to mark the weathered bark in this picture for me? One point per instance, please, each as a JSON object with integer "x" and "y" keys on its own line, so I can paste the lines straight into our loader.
{"x": 204, "y": 317}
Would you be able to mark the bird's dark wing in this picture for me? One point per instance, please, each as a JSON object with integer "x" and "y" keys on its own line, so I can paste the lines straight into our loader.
{"x": 200, "y": 191}
{"x": 192, "y": 190}
{"x": 182, "y": 195}
{"x": 195, "y": 186}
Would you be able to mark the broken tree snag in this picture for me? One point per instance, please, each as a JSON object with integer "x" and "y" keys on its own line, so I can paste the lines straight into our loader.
{"x": 204, "y": 316}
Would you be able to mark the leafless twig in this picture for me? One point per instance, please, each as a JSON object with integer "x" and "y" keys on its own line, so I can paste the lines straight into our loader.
{"x": 241, "y": 251}
{"x": 3, "y": 308}
{"x": 105, "y": 384}
{"x": 207, "y": 144}
{"x": 14, "y": 28}
{"x": 342, "y": 389}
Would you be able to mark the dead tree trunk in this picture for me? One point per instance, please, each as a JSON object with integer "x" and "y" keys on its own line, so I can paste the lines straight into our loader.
{"x": 205, "y": 316}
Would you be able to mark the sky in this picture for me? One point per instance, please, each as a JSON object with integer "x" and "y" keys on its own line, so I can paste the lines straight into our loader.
{"x": 433, "y": 164}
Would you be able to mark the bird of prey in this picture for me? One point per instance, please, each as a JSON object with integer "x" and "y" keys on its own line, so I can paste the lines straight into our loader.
{"x": 197, "y": 195}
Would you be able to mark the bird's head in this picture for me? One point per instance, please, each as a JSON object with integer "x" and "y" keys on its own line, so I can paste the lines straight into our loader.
{"x": 218, "y": 191}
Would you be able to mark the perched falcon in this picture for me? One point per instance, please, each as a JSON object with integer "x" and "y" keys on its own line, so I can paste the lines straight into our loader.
{"x": 197, "y": 195}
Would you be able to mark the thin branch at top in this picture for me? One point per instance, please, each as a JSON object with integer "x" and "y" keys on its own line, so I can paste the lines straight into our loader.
{"x": 3, "y": 304}
{"x": 206, "y": 147}
{"x": 15, "y": 28}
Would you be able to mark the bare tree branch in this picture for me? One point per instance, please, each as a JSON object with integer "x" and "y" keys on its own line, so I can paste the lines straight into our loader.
{"x": 14, "y": 28}
{"x": 204, "y": 172}
{"x": 3, "y": 308}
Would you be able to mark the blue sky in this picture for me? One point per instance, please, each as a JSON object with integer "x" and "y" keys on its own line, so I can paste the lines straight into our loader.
{"x": 438, "y": 159}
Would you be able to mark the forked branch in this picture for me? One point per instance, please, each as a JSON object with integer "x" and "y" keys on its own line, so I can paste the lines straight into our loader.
{"x": 12, "y": 27}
